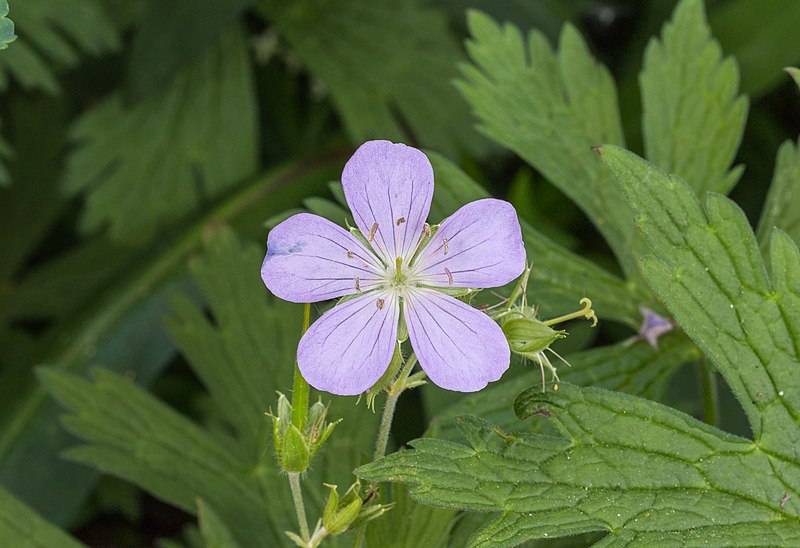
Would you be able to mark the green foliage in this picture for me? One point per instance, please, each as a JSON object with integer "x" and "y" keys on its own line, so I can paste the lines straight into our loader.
{"x": 166, "y": 156}
{"x": 242, "y": 355}
{"x": 20, "y": 526}
{"x": 387, "y": 66}
{"x": 6, "y": 26}
{"x": 693, "y": 121}
{"x": 643, "y": 472}
{"x": 709, "y": 272}
{"x": 53, "y": 35}
{"x": 551, "y": 109}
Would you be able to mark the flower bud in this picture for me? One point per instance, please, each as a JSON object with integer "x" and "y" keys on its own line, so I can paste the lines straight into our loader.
{"x": 295, "y": 456}
{"x": 528, "y": 336}
{"x": 340, "y": 515}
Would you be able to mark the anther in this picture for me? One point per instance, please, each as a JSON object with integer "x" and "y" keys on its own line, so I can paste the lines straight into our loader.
{"x": 379, "y": 304}
{"x": 358, "y": 285}
{"x": 400, "y": 221}
{"x": 426, "y": 230}
{"x": 372, "y": 231}
{"x": 349, "y": 254}
{"x": 444, "y": 240}
{"x": 449, "y": 276}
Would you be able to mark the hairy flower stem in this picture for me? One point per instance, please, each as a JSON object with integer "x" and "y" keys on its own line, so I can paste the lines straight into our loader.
{"x": 708, "y": 382}
{"x": 301, "y": 388}
{"x": 297, "y": 495}
{"x": 393, "y": 394}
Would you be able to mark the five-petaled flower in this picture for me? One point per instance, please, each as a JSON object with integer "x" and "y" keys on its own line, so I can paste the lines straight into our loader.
{"x": 399, "y": 266}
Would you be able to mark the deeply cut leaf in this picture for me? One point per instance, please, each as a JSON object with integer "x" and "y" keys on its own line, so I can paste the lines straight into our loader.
{"x": 53, "y": 34}
{"x": 387, "y": 66}
{"x": 150, "y": 164}
{"x": 708, "y": 271}
{"x": 643, "y": 472}
{"x": 693, "y": 121}
{"x": 551, "y": 108}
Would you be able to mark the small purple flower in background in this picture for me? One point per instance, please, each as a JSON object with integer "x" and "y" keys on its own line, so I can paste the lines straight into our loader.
{"x": 400, "y": 266}
{"x": 653, "y": 326}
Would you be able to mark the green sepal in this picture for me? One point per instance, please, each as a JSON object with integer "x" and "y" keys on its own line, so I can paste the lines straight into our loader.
{"x": 296, "y": 455}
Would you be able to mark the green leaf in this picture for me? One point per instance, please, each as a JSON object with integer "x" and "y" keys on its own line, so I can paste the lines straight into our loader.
{"x": 172, "y": 35}
{"x": 248, "y": 327}
{"x": 794, "y": 73}
{"x": 410, "y": 524}
{"x": 758, "y": 39}
{"x": 121, "y": 329}
{"x": 22, "y": 527}
{"x": 136, "y": 437}
{"x": 550, "y": 109}
{"x": 6, "y": 26}
{"x": 148, "y": 165}
{"x": 693, "y": 121}
{"x": 645, "y": 473}
{"x": 634, "y": 368}
{"x": 387, "y": 66}
{"x": 708, "y": 271}
{"x": 53, "y": 35}
{"x": 559, "y": 277}
{"x": 782, "y": 206}
{"x": 215, "y": 533}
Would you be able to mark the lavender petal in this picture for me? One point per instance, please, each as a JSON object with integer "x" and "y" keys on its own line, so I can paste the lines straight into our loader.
{"x": 311, "y": 259}
{"x": 389, "y": 188}
{"x": 480, "y": 245}
{"x": 349, "y": 347}
{"x": 458, "y": 347}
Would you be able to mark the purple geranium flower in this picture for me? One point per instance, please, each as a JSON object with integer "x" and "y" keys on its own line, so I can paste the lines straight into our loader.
{"x": 399, "y": 266}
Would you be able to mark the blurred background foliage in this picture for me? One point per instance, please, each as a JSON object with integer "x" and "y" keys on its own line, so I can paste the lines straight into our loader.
{"x": 133, "y": 131}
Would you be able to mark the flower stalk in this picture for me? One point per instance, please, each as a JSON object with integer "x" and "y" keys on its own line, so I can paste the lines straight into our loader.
{"x": 301, "y": 389}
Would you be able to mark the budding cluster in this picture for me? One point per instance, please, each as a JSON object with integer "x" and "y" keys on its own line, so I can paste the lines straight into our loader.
{"x": 295, "y": 448}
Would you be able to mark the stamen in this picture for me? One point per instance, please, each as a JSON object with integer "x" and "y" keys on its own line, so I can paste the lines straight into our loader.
{"x": 372, "y": 231}
{"x": 358, "y": 285}
{"x": 426, "y": 230}
{"x": 444, "y": 240}
{"x": 349, "y": 254}
{"x": 379, "y": 303}
{"x": 449, "y": 276}
{"x": 400, "y": 221}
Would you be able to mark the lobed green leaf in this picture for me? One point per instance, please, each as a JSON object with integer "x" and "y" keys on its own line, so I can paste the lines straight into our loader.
{"x": 6, "y": 26}
{"x": 693, "y": 121}
{"x": 708, "y": 271}
{"x": 148, "y": 165}
{"x": 387, "y": 67}
{"x": 53, "y": 34}
{"x": 625, "y": 465}
{"x": 550, "y": 109}
{"x": 782, "y": 206}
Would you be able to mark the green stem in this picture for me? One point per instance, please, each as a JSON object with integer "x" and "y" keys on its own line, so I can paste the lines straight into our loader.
{"x": 393, "y": 394}
{"x": 708, "y": 381}
{"x": 297, "y": 496}
{"x": 301, "y": 388}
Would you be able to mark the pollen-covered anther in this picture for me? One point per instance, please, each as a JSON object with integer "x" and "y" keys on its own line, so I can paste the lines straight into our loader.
{"x": 379, "y": 303}
{"x": 358, "y": 284}
{"x": 426, "y": 230}
{"x": 400, "y": 221}
{"x": 373, "y": 229}
{"x": 444, "y": 241}
{"x": 449, "y": 276}
{"x": 349, "y": 254}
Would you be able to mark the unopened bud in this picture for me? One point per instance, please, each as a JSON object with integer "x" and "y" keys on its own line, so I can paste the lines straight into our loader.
{"x": 295, "y": 456}
{"x": 528, "y": 336}
{"x": 340, "y": 515}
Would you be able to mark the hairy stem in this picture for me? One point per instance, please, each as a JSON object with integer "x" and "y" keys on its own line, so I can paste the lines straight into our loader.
{"x": 393, "y": 394}
{"x": 301, "y": 388}
{"x": 297, "y": 496}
